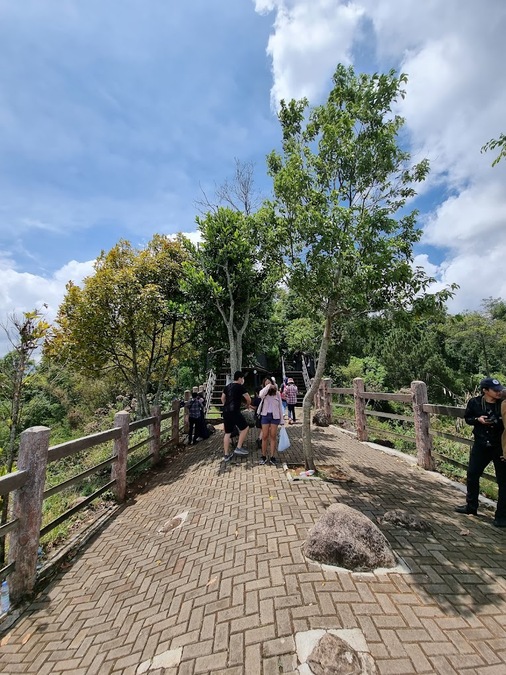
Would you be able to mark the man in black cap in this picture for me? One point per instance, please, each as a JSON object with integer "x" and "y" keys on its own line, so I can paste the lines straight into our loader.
{"x": 484, "y": 414}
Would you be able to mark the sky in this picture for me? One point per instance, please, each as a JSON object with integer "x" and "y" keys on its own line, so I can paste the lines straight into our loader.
{"x": 114, "y": 116}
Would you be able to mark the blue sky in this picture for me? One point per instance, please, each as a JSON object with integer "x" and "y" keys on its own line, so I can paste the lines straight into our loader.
{"x": 113, "y": 114}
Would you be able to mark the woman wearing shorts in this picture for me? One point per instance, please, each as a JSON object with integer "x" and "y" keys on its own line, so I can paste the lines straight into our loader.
{"x": 271, "y": 410}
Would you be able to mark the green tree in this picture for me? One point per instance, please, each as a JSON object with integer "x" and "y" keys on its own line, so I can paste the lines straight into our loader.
{"x": 130, "y": 317}
{"x": 341, "y": 186}
{"x": 26, "y": 334}
{"x": 231, "y": 280}
{"x": 496, "y": 144}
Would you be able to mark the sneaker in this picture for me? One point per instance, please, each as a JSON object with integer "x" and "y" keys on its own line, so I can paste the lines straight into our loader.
{"x": 467, "y": 510}
{"x": 273, "y": 461}
{"x": 499, "y": 522}
{"x": 263, "y": 460}
{"x": 241, "y": 452}
{"x": 227, "y": 458}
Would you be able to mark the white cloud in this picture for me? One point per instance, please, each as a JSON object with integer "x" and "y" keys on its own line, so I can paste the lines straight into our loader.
{"x": 22, "y": 292}
{"x": 310, "y": 37}
{"x": 456, "y": 97}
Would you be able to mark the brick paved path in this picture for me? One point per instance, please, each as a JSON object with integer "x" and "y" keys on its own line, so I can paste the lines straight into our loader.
{"x": 228, "y": 591}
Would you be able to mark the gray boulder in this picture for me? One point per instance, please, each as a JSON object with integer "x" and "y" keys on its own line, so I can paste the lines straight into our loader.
{"x": 346, "y": 538}
{"x": 333, "y": 656}
{"x": 408, "y": 521}
{"x": 321, "y": 419}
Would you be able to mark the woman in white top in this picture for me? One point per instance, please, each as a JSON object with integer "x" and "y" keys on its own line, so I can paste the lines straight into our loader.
{"x": 271, "y": 411}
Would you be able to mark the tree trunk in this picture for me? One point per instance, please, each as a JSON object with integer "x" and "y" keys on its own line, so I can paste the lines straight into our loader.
{"x": 310, "y": 394}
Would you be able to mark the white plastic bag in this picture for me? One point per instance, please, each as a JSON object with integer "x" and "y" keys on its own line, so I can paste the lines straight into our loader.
{"x": 284, "y": 441}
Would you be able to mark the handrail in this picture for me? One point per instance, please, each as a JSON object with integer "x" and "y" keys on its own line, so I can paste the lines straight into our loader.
{"x": 211, "y": 381}
{"x": 305, "y": 374}
{"x": 27, "y": 484}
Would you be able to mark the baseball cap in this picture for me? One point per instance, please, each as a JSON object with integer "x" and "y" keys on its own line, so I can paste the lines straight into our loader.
{"x": 290, "y": 380}
{"x": 491, "y": 383}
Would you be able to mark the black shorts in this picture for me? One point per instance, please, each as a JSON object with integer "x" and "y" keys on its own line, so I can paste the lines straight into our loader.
{"x": 232, "y": 420}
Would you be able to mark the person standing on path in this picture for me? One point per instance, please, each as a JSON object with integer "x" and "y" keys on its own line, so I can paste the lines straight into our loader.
{"x": 291, "y": 392}
{"x": 271, "y": 410}
{"x": 484, "y": 414}
{"x": 195, "y": 409}
{"x": 232, "y": 398}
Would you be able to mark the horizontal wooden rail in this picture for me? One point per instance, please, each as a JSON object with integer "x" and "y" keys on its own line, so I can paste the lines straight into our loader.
{"x": 448, "y": 410}
{"x": 70, "y": 512}
{"x": 139, "y": 463}
{"x": 140, "y": 424}
{"x": 390, "y": 416}
{"x": 71, "y": 447}
{"x": 166, "y": 415}
{"x": 78, "y": 478}
{"x": 12, "y": 481}
{"x": 341, "y": 390}
{"x": 377, "y": 396}
{"x": 140, "y": 444}
{"x": 7, "y": 527}
{"x": 452, "y": 437}
{"x": 380, "y": 432}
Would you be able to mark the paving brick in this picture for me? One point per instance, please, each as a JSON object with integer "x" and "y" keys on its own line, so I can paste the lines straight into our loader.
{"x": 233, "y": 587}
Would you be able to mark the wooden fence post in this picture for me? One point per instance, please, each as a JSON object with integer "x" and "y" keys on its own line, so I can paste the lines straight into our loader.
{"x": 175, "y": 421}
{"x": 120, "y": 451}
{"x": 186, "y": 416}
{"x": 154, "y": 432}
{"x": 422, "y": 426}
{"x": 27, "y": 508}
{"x": 327, "y": 397}
{"x": 360, "y": 416}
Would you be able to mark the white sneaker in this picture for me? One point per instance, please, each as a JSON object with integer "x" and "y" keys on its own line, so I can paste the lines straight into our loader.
{"x": 241, "y": 452}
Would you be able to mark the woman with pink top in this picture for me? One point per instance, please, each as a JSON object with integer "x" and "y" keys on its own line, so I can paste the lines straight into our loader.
{"x": 271, "y": 412}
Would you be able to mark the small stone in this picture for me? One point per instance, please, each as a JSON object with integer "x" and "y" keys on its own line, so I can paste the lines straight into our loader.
{"x": 333, "y": 656}
{"x": 408, "y": 521}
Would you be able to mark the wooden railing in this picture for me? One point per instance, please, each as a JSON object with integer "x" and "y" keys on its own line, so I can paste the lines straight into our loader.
{"x": 27, "y": 483}
{"x": 423, "y": 436}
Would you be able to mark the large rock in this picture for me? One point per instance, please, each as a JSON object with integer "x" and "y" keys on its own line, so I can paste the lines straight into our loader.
{"x": 346, "y": 538}
{"x": 321, "y": 419}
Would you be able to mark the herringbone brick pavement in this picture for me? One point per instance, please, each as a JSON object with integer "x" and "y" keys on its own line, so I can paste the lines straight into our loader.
{"x": 228, "y": 590}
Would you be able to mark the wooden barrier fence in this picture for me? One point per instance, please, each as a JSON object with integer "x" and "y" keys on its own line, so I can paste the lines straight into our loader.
{"x": 27, "y": 483}
{"x": 416, "y": 398}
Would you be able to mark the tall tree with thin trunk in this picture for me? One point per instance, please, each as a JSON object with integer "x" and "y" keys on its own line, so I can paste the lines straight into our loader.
{"x": 341, "y": 186}
{"x": 231, "y": 278}
{"x": 26, "y": 334}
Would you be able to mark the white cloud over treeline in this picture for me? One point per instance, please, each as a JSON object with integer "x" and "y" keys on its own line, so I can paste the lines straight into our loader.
{"x": 452, "y": 52}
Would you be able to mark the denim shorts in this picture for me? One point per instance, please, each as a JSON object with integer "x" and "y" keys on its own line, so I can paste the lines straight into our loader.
{"x": 269, "y": 419}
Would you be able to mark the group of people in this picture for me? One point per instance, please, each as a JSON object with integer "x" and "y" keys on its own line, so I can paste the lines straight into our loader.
{"x": 269, "y": 406}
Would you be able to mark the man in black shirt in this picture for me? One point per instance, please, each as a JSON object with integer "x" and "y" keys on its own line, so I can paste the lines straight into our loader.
{"x": 484, "y": 413}
{"x": 232, "y": 398}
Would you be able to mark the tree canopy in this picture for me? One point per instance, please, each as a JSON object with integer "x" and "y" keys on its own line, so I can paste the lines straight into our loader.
{"x": 231, "y": 278}
{"x": 341, "y": 187}
{"x": 130, "y": 317}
